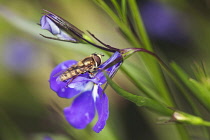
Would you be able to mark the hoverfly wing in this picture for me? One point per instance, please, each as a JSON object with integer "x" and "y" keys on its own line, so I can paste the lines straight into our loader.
{"x": 60, "y": 72}
{"x": 69, "y": 28}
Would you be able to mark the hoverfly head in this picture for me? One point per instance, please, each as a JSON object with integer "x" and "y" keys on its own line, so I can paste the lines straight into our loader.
{"x": 97, "y": 59}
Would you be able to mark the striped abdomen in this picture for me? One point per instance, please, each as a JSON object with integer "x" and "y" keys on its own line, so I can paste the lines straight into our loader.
{"x": 88, "y": 64}
{"x": 74, "y": 71}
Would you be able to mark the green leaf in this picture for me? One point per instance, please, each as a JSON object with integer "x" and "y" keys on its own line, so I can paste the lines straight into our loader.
{"x": 117, "y": 8}
{"x": 142, "y": 84}
{"x": 123, "y": 26}
{"x": 124, "y": 10}
{"x": 151, "y": 64}
{"x": 140, "y": 100}
{"x": 9, "y": 130}
{"x": 199, "y": 90}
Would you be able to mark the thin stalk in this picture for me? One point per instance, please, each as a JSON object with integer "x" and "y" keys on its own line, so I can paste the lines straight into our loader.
{"x": 124, "y": 11}
{"x": 183, "y": 90}
{"x": 139, "y": 25}
{"x": 117, "y": 8}
{"x": 142, "y": 88}
{"x": 153, "y": 68}
{"x": 183, "y": 132}
{"x": 122, "y": 26}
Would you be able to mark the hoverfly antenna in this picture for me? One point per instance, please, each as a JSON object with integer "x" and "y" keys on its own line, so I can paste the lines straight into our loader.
{"x": 96, "y": 54}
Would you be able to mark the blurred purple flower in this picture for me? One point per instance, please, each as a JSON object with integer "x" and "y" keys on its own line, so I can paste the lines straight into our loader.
{"x": 19, "y": 56}
{"x": 47, "y": 138}
{"x": 89, "y": 94}
{"x": 163, "y": 22}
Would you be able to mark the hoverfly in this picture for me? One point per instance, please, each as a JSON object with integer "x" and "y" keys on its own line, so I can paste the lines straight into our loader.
{"x": 89, "y": 64}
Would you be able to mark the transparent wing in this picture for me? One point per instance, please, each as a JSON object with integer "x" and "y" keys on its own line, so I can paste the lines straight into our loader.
{"x": 63, "y": 23}
{"x": 60, "y": 72}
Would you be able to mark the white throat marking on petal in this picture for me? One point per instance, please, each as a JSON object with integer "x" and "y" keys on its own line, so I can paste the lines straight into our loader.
{"x": 88, "y": 87}
{"x": 81, "y": 86}
{"x": 95, "y": 92}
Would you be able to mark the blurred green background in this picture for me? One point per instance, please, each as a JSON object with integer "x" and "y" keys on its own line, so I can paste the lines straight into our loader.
{"x": 179, "y": 30}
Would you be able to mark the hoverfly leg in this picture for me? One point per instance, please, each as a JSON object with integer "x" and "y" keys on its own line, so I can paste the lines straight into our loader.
{"x": 103, "y": 70}
{"x": 92, "y": 74}
{"x": 69, "y": 82}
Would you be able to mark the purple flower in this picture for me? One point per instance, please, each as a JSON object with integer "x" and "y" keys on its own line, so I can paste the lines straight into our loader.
{"x": 47, "y": 24}
{"x": 88, "y": 92}
{"x": 163, "y": 23}
{"x": 47, "y": 138}
{"x": 20, "y": 56}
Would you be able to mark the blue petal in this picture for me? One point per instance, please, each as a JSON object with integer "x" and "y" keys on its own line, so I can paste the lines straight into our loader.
{"x": 100, "y": 78}
{"x": 49, "y": 25}
{"x": 44, "y": 24}
{"x": 64, "y": 36}
{"x": 55, "y": 84}
{"x": 111, "y": 59}
{"x": 47, "y": 138}
{"x": 82, "y": 110}
{"x": 102, "y": 107}
{"x": 60, "y": 87}
{"x": 54, "y": 29}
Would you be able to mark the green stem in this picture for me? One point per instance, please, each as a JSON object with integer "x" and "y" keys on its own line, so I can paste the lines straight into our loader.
{"x": 153, "y": 68}
{"x": 124, "y": 11}
{"x": 145, "y": 90}
{"x": 139, "y": 25}
{"x": 182, "y": 89}
{"x": 183, "y": 132}
{"x": 9, "y": 130}
{"x": 123, "y": 26}
{"x": 140, "y": 100}
{"x": 117, "y": 7}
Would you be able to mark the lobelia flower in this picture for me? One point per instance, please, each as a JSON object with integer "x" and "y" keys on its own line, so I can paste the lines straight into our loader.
{"x": 20, "y": 56}
{"x": 47, "y": 138}
{"x": 163, "y": 22}
{"x": 88, "y": 92}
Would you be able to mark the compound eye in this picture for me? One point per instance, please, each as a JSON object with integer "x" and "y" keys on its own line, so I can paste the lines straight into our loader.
{"x": 97, "y": 60}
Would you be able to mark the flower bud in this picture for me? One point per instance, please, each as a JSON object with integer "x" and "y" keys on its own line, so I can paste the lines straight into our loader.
{"x": 48, "y": 24}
